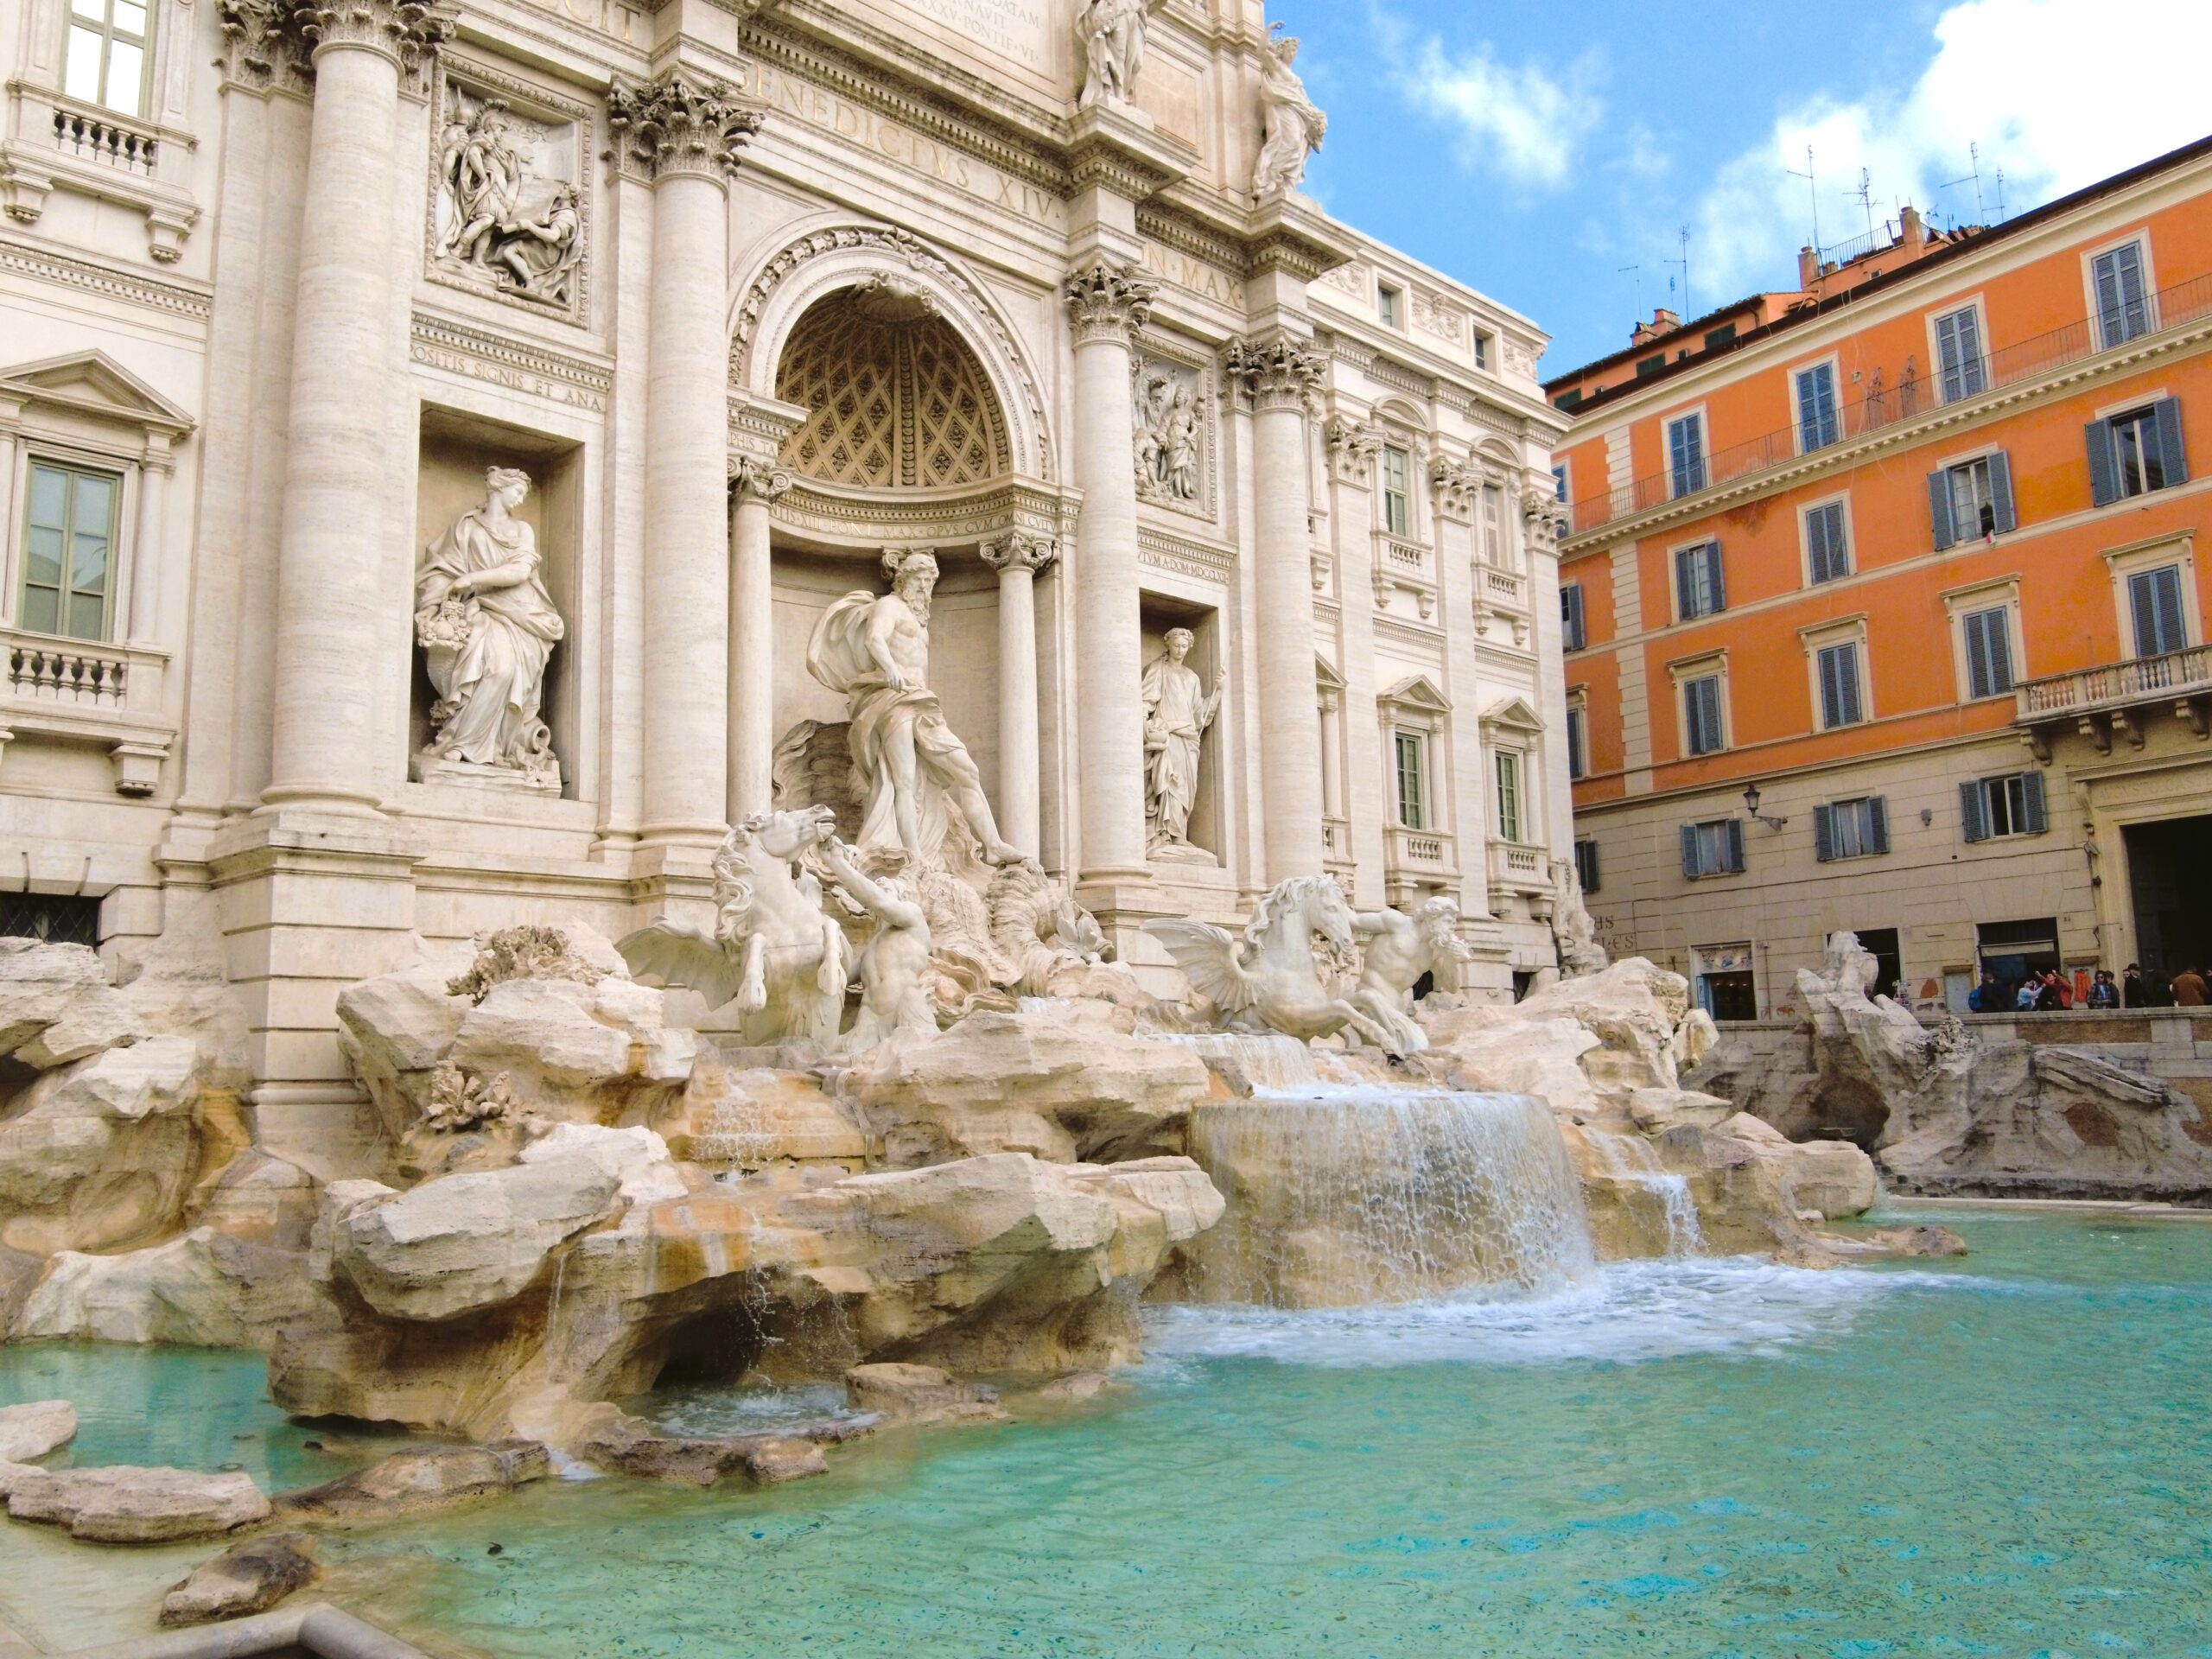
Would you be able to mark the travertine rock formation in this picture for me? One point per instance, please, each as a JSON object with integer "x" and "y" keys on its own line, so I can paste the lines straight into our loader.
{"x": 34, "y": 1429}
{"x": 248, "y": 1577}
{"x": 135, "y": 1506}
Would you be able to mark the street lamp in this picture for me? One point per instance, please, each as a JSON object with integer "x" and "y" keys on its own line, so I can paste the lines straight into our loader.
{"x": 1752, "y": 808}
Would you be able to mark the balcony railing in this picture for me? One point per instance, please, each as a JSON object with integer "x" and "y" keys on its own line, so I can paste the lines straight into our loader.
{"x": 2088, "y": 690}
{"x": 1518, "y": 867}
{"x": 1916, "y": 390}
{"x": 88, "y": 692}
{"x": 55, "y": 671}
{"x": 102, "y": 137}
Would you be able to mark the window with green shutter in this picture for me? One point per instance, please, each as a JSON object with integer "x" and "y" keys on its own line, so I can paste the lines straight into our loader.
{"x": 2013, "y": 805}
{"x": 2123, "y": 304}
{"x": 1412, "y": 749}
{"x": 1819, "y": 421}
{"x": 1508, "y": 796}
{"x": 1703, "y": 730}
{"x": 69, "y": 550}
{"x": 1989, "y": 651}
{"x": 1841, "y": 697}
{"x": 1960, "y": 364}
{"x": 1852, "y": 829}
{"x": 2135, "y": 452}
{"x": 1827, "y": 555}
{"x": 2154, "y": 597}
{"x": 1686, "y": 454}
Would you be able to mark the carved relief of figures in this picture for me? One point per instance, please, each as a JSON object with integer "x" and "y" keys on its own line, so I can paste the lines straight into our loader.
{"x": 504, "y": 218}
{"x": 487, "y": 629}
{"x": 1177, "y": 709}
{"x": 873, "y": 650}
{"x": 1170, "y": 435}
{"x": 1292, "y": 125}
{"x": 1110, "y": 35}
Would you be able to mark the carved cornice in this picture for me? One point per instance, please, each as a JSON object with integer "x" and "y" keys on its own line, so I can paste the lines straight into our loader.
{"x": 678, "y": 122}
{"x": 129, "y": 288}
{"x": 753, "y": 479}
{"x": 406, "y": 31}
{"x": 1181, "y": 557}
{"x": 1108, "y": 302}
{"x": 502, "y": 359}
{"x": 917, "y": 518}
{"x": 1352, "y": 448}
{"x": 1186, "y": 235}
{"x": 1279, "y": 371}
{"x": 1020, "y": 550}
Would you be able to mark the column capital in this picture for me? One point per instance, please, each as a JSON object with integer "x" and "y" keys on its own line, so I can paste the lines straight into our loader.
{"x": 1455, "y": 485}
{"x": 261, "y": 47}
{"x": 752, "y": 478}
{"x": 1281, "y": 372}
{"x": 1108, "y": 301}
{"x": 1546, "y": 517}
{"x": 1020, "y": 550}
{"x": 406, "y": 31}
{"x": 1353, "y": 446}
{"x": 678, "y": 122}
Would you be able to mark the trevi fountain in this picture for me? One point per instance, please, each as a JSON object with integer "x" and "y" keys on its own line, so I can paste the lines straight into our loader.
{"x": 915, "y": 985}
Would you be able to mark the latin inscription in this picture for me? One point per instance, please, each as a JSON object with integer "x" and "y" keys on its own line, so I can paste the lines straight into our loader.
{"x": 1206, "y": 281}
{"x": 1019, "y": 30}
{"x": 970, "y": 175}
{"x": 609, "y": 16}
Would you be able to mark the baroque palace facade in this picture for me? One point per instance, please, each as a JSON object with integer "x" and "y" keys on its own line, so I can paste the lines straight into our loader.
{"x": 436, "y": 442}
{"x": 1883, "y": 609}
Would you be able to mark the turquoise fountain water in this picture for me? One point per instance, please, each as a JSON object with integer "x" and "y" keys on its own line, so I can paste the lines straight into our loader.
{"x": 2005, "y": 1456}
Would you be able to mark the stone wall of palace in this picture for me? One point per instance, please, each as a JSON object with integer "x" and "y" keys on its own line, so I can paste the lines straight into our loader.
{"x": 276, "y": 308}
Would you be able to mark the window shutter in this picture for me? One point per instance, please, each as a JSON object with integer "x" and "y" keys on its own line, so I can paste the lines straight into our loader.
{"x": 2000, "y": 492}
{"x": 2038, "y": 819}
{"x": 1939, "y": 507}
{"x": 1689, "y": 851}
{"x": 1824, "y": 833}
{"x": 1570, "y": 599}
{"x": 1972, "y": 813}
{"x": 1715, "y": 582}
{"x": 2166, "y": 414}
{"x": 1980, "y": 682}
{"x": 1878, "y": 824}
{"x": 2104, "y": 466}
{"x": 1685, "y": 583}
{"x": 1997, "y": 636}
{"x": 1735, "y": 845}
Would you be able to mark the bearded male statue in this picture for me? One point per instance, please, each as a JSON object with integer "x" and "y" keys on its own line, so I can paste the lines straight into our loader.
{"x": 873, "y": 650}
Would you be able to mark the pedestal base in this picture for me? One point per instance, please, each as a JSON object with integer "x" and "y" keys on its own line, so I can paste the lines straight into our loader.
{"x": 470, "y": 774}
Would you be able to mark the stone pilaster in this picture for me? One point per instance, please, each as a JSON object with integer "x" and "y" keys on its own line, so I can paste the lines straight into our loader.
{"x": 755, "y": 487}
{"x": 683, "y": 134}
{"x": 1019, "y": 558}
{"x": 1281, "y": 374}
{"x": 1106, "y": 304}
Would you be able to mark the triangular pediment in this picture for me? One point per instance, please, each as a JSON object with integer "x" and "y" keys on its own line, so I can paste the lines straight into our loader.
{"x": 92, "y": 383}
{"x": 1327, "y": 678}
{"x": 1417, "y": 692}
{"x": 1513, "y": 714}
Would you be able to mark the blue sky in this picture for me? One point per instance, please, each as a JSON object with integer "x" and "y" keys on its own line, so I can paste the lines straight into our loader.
{"x": 1536, "y": 159}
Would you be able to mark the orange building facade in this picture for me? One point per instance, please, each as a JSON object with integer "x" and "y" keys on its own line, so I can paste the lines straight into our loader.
{"x": 1886, "y": 614}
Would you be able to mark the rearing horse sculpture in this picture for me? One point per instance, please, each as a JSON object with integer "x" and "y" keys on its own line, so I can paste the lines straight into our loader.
{"x": 775, "y": 952}
{"x": 1271, "y": 977}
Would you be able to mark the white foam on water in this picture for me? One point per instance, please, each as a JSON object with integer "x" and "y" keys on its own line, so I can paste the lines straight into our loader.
{"x": 1635, "y": 1162}
{"x": 1626, "y": 1313}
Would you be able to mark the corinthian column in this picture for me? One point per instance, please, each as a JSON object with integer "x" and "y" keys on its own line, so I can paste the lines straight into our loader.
{"x": 1282, "y": 374}
{"x": 683, "y": 134}
{"x": 1018, "y": 558}
{"x": 754, "y": 487}
{"x": 1106, "y": 304}
{"x": 337, "y": 467}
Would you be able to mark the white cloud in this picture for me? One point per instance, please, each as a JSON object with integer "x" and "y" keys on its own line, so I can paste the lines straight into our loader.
{"x": 2056, "y": 94}
{"x": 1516, "y": 121}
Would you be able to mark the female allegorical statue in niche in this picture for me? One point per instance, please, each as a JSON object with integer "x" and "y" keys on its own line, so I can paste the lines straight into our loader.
{"x": 1178, "y": 708}
{"x": 488, "y": 627}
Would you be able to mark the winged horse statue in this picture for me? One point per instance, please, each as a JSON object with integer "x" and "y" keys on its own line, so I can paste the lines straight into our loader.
{"x": 1271, "y": 977}
{"x": 775, "y": 951}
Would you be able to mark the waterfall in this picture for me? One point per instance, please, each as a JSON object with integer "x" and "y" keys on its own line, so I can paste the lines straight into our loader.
{"x": 1632, "y": 1159}
{"x": 1250, "y": 1062}
{"x": 1341, "y": 1196}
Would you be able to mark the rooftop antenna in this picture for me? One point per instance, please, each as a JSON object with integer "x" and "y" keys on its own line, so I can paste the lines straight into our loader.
{"x": 1688, "y": 311}
{"x": 1865, "y": 195}
{"x": 1638, "y": 272}
{"x": 1973, "y": 151}
{"x": 2000, "y": 195}
{"x": 1812, "y": 187}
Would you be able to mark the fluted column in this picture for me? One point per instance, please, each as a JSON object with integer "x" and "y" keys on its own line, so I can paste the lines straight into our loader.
{"x": 754, "y": 487}
{"x": 337, "y": 470}
{"x": 682, "y": 133}
{"x": 1282, "y": 374}
{"x": 1106, "y": 305}
{"x": 1019, "y": 557}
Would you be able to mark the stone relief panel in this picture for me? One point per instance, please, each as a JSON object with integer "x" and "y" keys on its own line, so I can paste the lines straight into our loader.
{"x": 509, "y": 201}
{"x": 1169, "y": 410}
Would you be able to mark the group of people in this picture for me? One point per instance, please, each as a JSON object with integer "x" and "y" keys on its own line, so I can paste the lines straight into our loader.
{"x": 2048, "y": 992}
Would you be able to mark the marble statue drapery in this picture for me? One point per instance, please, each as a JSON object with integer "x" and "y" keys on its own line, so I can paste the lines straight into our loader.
{"x": 1177, "y": 709}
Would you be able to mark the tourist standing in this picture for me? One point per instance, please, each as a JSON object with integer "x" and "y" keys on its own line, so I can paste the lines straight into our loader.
{"x": 2134, "y": 991}
{"x": 1988, "y": 997}
{"x": 2189, "y": 989}
{"x": 2103, "y": 993}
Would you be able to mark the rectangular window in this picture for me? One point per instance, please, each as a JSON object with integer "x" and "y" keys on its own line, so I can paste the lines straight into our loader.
{"x": 1703, "y": 730}
{"x": 2136, "y": 453}
{"x": 1820, "y": 423}
{"x": 105, "y": 62}
{"x": 1585, "y": 865}
{"x": 1716, "y": 338}
{"x": 1574, "y": 633}
{"x": 69, "y": 544}
{"x": 1698, "y": 587}
{"x": 1840, "y": 695}
{"x": 1388, "y": 301}
{"x": 2009, "y": 806}
{"x": 1686, "y": 454}
{"x": 1413, "y": 780}
{"x": 1650, "y": 366}
{"x": 1959, "y": 360}
{"x": 1558, "y": 483}
{"x": 1853, "y": 829}
{"x": 1509, "y": 795}
{"x": 1971, "y": 500}
{"x": 1827, "y": 555}
{"x": 1989, "y": 651}
{"x": 1494, "y": 551}
{"x": 1714, "y": 848}
{"x": 1398, "y": 491}
{"x": 1482, "y": 350}
{"x": 2154, "y": 599}
{"x": 1578, "y": 737}
{"x": 2123, "y": 306}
